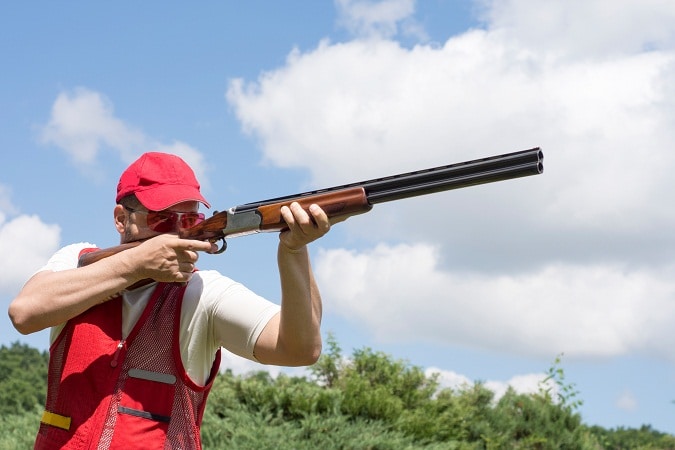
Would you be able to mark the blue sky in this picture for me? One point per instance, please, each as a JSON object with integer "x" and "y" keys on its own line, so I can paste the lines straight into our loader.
{"x": 490, "y": 283}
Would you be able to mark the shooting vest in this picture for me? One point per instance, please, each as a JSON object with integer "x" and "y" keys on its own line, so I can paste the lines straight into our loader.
{"x": 105, "y": 392}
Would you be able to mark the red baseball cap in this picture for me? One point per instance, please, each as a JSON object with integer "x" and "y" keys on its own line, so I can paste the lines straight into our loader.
{"x": 160, "y": 180}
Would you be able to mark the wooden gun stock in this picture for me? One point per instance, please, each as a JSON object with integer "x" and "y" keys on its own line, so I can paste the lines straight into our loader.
{"x": 356, "y": 198}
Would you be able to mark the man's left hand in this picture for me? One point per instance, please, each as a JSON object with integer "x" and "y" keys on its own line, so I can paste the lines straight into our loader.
{"x": 303, "y": 227}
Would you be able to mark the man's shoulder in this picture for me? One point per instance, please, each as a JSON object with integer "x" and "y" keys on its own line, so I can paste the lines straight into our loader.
{"x": 66, "y": 257}
{"x": 75, "y": 248}
{"x": 210, "y": 277}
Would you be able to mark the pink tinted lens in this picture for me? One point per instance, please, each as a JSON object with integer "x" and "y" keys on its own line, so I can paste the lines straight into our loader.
{"x": 166, "y": 221}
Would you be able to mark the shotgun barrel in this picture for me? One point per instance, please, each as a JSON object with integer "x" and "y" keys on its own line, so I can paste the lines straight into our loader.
{"x": 436, "y": 179}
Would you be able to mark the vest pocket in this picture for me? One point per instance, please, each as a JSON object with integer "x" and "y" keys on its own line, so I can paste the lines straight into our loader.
{"x": 144, "y": 410}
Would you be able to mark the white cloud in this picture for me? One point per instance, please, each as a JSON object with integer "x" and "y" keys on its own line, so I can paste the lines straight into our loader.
{"x": 401, "y": 294}
{"x": 627, "y": 401}
{"x": 378, "y": 19}
{"x": 83, "y": 123}
{"x": 27, "y": 243}
{"x": 584, "y": 28}
{"x": 448, "y": 378}
{"x": 575, "y": 260}
{"x": 522, "y": 384}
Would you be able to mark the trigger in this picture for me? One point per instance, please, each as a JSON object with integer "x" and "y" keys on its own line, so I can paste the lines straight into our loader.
{"x": 223, "y": 246}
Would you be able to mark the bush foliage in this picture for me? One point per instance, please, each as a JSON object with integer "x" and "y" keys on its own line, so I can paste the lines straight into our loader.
{"x": 369, "y": 401}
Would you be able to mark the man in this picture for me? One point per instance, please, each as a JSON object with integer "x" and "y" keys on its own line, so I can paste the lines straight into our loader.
{"x": 131, "y": 367}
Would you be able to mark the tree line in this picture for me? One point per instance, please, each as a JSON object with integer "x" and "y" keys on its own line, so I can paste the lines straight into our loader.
{"x": 367, "y": 401}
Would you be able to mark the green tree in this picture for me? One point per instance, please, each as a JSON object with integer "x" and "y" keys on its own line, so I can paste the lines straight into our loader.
{"x": 23, "y": 378}
{"x": 643, "y": 438}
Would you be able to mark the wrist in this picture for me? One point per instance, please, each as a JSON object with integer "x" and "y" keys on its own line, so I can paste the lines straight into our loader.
{"x": 290, "y": 250}
{"x": 128, "y": 266}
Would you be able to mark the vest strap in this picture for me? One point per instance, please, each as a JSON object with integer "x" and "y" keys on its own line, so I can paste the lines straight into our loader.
{"x": 56, "y": 420}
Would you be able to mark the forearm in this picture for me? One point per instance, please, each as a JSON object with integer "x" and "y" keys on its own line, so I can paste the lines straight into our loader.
{"x": 298, "y": 341}
{"x": 293, "y": 337}
{"x": 52, "y": 298}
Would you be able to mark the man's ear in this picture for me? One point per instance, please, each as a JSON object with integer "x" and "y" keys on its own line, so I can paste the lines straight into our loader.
{"x": 121, "y": 215}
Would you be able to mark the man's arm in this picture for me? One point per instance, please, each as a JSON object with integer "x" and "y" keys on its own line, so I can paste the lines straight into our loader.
{"x": 293, "y": 336}
{"x": 52, "y": 298}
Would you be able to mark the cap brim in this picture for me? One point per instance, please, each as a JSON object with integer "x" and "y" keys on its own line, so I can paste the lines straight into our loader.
{"x": 163, "y": 197}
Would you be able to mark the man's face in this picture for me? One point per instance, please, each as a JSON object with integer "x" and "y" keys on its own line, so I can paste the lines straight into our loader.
{"x": 143, "y": 224}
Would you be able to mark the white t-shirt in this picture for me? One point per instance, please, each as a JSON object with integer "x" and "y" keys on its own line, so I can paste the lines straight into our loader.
{"x": 216, "y": 312}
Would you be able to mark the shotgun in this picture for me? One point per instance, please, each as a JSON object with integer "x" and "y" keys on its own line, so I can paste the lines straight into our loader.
{"x": 352, "y": 199}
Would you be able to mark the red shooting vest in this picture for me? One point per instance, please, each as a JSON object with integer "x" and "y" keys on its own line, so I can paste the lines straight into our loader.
{"x": 108, "y": 393}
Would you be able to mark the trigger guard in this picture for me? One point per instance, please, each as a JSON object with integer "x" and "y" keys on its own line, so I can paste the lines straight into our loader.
{"x": 222, "y": 248}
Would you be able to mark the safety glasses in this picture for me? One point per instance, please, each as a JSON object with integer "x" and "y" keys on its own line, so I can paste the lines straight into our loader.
{"x": 168, "y": 221}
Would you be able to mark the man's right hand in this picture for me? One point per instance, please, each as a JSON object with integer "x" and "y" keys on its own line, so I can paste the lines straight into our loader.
{"x": 166, "y": 258}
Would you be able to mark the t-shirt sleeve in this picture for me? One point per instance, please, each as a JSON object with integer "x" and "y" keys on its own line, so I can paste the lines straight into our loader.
{"x": 236, "y": 314}
{"x": 66, "y": 258}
